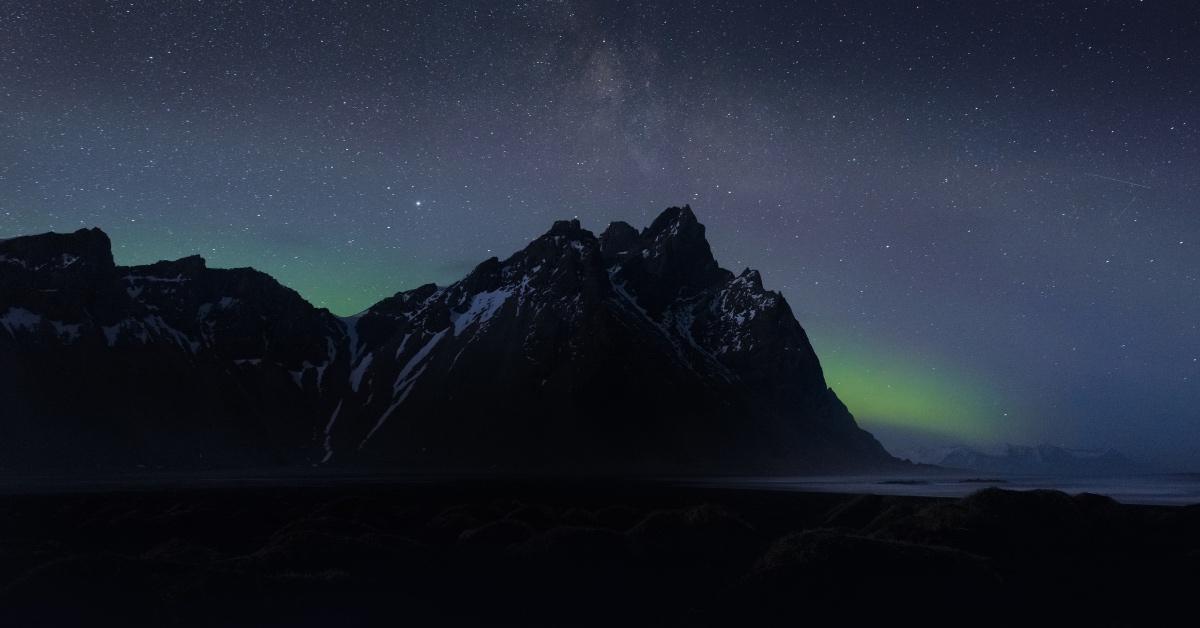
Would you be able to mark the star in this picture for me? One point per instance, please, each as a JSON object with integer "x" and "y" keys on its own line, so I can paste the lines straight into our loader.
{"x": 827, "y": 155}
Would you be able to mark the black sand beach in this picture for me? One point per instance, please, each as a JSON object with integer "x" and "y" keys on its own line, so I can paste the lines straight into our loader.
{"x": 598, "y": 553}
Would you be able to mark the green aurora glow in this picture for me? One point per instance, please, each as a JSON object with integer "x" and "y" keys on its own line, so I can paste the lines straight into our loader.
{"x": 891, "y": 388}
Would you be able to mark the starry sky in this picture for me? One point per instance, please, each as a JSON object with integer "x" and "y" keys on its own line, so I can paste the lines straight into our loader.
{"x": 984, "y": 213}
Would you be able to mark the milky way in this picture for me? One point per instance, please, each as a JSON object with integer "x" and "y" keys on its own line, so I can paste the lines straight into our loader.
{"x": 984, "y": 214}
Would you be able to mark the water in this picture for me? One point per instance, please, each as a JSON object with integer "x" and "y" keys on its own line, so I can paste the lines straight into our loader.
{"x": 1174, "y": 489}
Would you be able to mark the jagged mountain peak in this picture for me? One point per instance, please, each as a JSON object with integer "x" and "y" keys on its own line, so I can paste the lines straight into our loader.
{"x": 676, "y": 231}
{"x": 81, "y": 250}
{"x": 569, "y": 228}
{"x": 674, "y": 219}
{"x": 668, "y": 260}
{"x": 402, "y": 301}
{"x": 562, "y": 259}
{"x": 189, "y": 266}
{"x": 484, "y": 276}
{"x": 751, "y": 278}
{"x": 619, "y": 241}
{"x": 63, "y": 239}
{"x": 561, "y": 233}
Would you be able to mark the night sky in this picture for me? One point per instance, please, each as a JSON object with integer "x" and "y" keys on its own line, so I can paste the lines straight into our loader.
{"x": 984, "y": 214}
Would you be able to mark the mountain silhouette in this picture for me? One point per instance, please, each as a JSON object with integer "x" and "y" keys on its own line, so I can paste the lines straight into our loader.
{"x": 628, "y": 352}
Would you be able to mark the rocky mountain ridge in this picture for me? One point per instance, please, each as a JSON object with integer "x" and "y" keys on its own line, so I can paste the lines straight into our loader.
{"x": 632, "y": 351}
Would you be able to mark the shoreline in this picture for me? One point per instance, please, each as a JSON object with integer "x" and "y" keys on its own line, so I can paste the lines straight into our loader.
{"x": 1156, "y": 489}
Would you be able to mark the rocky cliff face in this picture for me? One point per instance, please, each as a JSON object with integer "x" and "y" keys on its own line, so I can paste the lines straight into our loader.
{"x": 630, "y": 352}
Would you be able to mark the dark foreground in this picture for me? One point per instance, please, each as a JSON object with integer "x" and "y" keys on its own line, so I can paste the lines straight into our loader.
{"x": 594, "y": 554}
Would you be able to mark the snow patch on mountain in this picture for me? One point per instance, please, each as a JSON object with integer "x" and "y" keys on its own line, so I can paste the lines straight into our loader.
{"x": 484, "y": 306}
{"x": 13, "y": 260}
{"x": 328, "y": 442}
{"x": 68, "y": 332}
{"x": 357, "y": 374}
{"x": 403, "y": 380}
{"x": 20, "y": 318}
{"x": 149, "y": 328}
{"x": 153, "y": 279}
{"x": 350, "y": 323}
{"x": 629, "y": 303}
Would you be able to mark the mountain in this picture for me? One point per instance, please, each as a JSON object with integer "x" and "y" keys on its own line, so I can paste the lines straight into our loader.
{"x": 1039, "y": 460}
{"x": 632, "y": 351}
{"x": 171, "y": 364}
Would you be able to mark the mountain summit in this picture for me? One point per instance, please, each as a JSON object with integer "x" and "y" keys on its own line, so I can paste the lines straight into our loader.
{"x": 631, "y": 352}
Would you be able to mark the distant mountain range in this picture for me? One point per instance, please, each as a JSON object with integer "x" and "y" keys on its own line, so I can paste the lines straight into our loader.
{"x": 1031, "y": 460}
{"x": 631, "y": 351}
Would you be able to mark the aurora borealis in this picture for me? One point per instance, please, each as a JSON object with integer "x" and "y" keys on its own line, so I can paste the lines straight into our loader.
{"x": 983, "y": 213}
{"x": 889, "y": 392}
